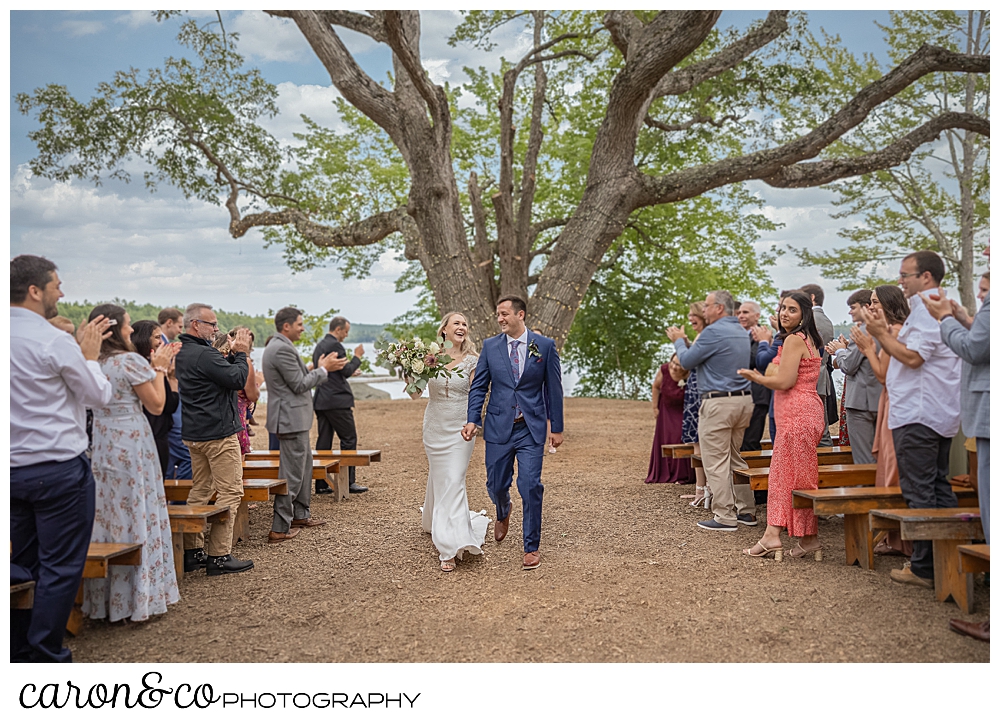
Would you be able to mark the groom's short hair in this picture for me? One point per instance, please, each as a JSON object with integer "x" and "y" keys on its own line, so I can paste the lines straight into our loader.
{"x": 516, "y": 303}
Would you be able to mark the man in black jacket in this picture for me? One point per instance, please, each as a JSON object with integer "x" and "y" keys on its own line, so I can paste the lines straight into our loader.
{"x": 749, "y": 316}
{"x": 208, "y": 383}
{"x": 334, "y": 400}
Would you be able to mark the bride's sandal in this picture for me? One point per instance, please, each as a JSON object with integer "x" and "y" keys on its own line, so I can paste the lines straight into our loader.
{"x": 448, "y": 565}
{"x": 759, "y": 550}
{"x": 799, "y": 551}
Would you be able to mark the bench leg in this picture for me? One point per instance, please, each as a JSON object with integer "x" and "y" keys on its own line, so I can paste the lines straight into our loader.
{"x": 75, "y": 621}
{"x": 858, "y": 541}
{"x": 178, "y": 540}
{"x": 948, "y": 581}
{"x": 340, "y": 483}
{"x": 241, "y": 526}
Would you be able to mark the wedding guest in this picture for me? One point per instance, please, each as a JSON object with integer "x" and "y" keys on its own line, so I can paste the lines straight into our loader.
{"x": 969, "y": 338}
{"x": 273, "y": 443}
{"x": 862, "y": 389}
{"x": 749, "y": 317}
{"x": 131, "y": 504}
{"x": 289, "y": 415}
{"x": 334, "y": 400}
{"x": 692, "y": 403}
{"x": 63, "y": 323}
{"x": 767, "y": 350}
{"x": 208, "y": 383}
{"x": 179, "y": 463}
{"x": 824, "y": 387}
{"x": 924, "y": 381}
{"x": 147, "y": 339}
{"x": 800, "y": 418}
{"x": 984, "y": 287}
{"x": 720, "y": 350}
{"x": 894, "y": 308}
{"x": 52, "y": 381}
{"x": 250, "y": 392}
{"x": 668, "y": 408}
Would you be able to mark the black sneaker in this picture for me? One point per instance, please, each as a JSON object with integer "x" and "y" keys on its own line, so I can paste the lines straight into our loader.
{"x": 747, "y": 519}
{"x": 705, "y": 525}
{"x": 227, "y": 564}
{"x": 356, "y": 488}
{"x": 195, "y": 559}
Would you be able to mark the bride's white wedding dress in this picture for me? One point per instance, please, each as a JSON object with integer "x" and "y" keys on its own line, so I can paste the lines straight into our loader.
{"x": 454, "y": 528}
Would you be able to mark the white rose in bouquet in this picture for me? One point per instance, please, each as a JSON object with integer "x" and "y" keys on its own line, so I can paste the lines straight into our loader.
{"x": 434, "y": 348}
{"x": 418, "y": 366}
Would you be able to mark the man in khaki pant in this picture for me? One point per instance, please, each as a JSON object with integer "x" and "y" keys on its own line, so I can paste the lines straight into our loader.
{"x": 210, "y": 419}
{"x": 726, "y": 406}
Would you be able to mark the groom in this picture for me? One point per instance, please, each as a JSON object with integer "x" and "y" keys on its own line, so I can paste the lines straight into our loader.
{"x": 523, "y": 368}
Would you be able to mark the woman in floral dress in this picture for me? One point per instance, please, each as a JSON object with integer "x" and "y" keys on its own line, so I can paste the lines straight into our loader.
{"x": 130, "y": 502}
{"x": 800, "y": 418}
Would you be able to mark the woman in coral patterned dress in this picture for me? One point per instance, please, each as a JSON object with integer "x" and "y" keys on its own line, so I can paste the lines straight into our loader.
{"x": 130, "y": 503}
{"x": 800, "y": 419}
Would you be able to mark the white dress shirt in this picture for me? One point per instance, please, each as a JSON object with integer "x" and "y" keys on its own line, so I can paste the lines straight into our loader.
{"x": 51, "y": 386}
{"x": 931, "y": 393}
{"x": 522, "y": 350}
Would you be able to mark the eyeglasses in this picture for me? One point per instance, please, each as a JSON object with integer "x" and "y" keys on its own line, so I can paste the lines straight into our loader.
{"x": 906, "y": 276}
{"x": 213, "y": 324}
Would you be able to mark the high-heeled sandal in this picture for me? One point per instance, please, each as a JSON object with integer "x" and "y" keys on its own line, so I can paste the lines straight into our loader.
{"x": 700, "y": 495}
{"x": 798, "y": 551}
{"x": 765, "y": 551}
{"x": 448, "y": 565}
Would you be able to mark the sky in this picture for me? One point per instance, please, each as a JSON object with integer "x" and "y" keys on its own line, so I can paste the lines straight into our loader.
{"x": 120, "y": 241}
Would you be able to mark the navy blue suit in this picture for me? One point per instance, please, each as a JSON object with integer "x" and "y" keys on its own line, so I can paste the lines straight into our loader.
{"x": 539, "y": 395}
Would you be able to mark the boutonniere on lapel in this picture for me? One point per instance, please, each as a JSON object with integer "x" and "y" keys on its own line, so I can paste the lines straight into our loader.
{"x": 533, "y": 350}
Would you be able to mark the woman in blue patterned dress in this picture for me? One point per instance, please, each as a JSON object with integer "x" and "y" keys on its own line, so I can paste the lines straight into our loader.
{"x": 130, "y": 502}
{"x": 692, "y": 404}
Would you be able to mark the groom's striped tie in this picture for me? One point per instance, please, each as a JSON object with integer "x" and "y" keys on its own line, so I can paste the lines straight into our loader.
{"x": 515, "y": 367}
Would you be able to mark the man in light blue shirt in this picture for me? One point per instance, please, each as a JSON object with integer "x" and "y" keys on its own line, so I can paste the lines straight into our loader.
{"x": 718, "y": 352}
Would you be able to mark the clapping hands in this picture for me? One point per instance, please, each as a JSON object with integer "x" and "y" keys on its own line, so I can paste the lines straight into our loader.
{"x": 762, "y": 333}
{"x": 332, "y": 362}
{"x": 836, "y": 345}
{"x": 674, "y": 333}
{"x": 90, "y": 336}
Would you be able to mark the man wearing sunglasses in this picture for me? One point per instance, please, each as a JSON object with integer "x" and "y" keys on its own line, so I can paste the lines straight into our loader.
{"x": 208, "y": 383}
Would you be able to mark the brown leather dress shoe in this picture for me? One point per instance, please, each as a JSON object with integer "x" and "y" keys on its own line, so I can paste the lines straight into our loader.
{"x": 531, "y": 560}
{"x": 500, "y": 528}
{"x": 308, "y": 522}
{"x": 979, "y": 631}
{"x": 273, "y": 536}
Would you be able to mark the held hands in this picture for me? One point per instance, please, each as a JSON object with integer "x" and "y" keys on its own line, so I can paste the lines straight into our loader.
{"x": 674, "y": 333}
{"x": 91, "y": 335}
{"x": 470, "y": 430}
{"x": 555, "y": 439}
{"x": 332, "y": 363}
{"x": 241, "y": 341}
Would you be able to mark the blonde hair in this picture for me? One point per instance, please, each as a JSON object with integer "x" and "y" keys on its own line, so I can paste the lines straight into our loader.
{"x": 467, "y": 346}
{"x": 698, "y": 309}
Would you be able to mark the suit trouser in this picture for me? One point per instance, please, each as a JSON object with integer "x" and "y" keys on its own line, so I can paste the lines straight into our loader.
{"x": 216, "y": 469}
{"x": 826, "y": 440}
{"x": 296, "y": 469}
{"x": 861, "y": 427}
{"x": 500, "y": 474}
{"x": 340, "y": 421}
{"x": 922, "y": 457}
{"x": 755, "y": 432}
{"x": 51, "y": 519}
{"x": 983, "y": 470}
{"x": 721, "y": 424}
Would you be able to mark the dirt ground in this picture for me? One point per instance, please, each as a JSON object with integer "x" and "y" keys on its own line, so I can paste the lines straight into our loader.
{"x": 625, "y": 576}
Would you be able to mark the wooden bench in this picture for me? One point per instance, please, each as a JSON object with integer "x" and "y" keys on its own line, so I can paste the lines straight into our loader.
{"x": 347, "y": 457}
{"x": 757, "y": 460}
{"x": 22, "y": 595}
{"x": 100, "y": 556}
{"x": 854, "y": 503}
{"x": 830, "y": 475}
{"x": 973, "y": 558}
{"x": 191, "y": 518}
{"x": 324, "y": 469}
{"x": 948, "y": 529}
{"x": 254, "y": 490}
{"x": 683, "y": 451}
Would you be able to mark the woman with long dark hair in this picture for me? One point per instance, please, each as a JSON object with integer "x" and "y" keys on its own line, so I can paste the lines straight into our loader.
{"x": 800, "y": 419}
{"x": 891, "y": 303}
{"x": 146, "y": 338}
{"x": 130, "y": 505}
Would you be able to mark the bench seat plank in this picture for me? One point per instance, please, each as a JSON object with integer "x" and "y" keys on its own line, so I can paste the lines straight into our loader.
{"x": 974, "y": 558}
{"x": 833, "y": 475}
{"x": 22, "y": 595}
{"x": 100, "y": 555}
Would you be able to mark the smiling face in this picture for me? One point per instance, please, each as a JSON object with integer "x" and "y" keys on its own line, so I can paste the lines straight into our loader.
{"x": 456, "y": 330}
{"x": 748, "y": 316}
{"x": 511, "y": 322}
{"x": 911, "y": 281}
{"x": 984, "y": 289}
{"x": 696, "y": 323}
{"x": 855, "y": 311}
{"x": 789, "y": 314}
{"x": 50, "y": 295}
{"x": 294, "y": 330}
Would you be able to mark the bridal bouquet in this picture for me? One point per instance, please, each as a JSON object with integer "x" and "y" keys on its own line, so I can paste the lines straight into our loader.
{"x": 418, "y": 362}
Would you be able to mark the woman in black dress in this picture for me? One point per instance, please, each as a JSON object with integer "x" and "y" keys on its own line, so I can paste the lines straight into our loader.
{"x": 146, "y": 339}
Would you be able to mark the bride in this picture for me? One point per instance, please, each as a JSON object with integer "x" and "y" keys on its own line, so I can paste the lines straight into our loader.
{"x": 454, "y": 528}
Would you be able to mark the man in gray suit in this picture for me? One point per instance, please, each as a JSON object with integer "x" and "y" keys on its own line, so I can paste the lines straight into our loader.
{"x": 290, "y": 416}
{"x": 824, "y": 385}
{"x": 970, "y": 338}
{"x": 861, "y": 389}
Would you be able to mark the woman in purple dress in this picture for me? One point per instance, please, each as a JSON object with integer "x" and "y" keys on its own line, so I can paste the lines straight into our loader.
{"x": 668, "y": 406}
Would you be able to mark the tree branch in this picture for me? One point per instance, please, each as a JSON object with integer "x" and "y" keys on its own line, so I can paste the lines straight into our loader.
{"x": 696, "y": 120}
{"x": 541, "y": 226}
{"x": 362, "y": 233}
{"x": 373, "y": 27}
{"x": 402, "y": 47}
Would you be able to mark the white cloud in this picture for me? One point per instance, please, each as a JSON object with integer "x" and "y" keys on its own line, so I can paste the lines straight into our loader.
{"x": 315, "y": 101}
{"x": 79, "y": 28}
{"x": 266, "y": 38}
{"x": 437, "y": 70}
